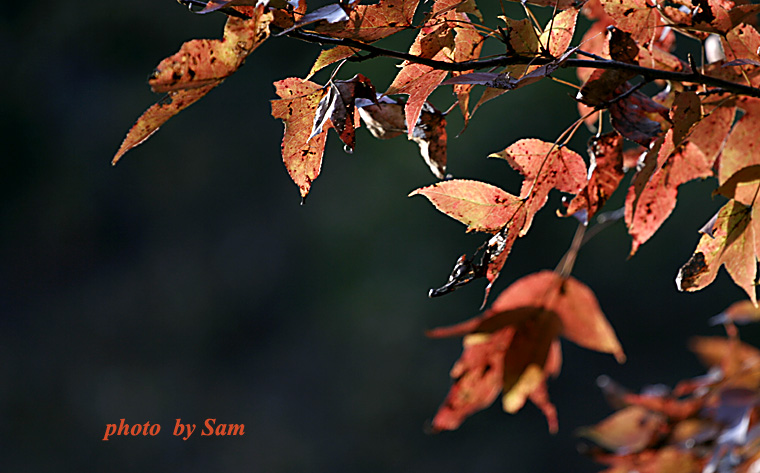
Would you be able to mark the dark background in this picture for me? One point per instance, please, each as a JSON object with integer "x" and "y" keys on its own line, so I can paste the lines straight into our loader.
{"x": 188, "y": 282}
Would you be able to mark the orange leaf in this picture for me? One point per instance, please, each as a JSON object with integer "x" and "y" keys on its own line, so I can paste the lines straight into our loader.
{"x": 732, "y": 244}
{"x": 297, "y": 107}
{"x": 369, "y": 23}
{"x": 480, "y": 206}
{"x": 199, "y": 66}
{"x": 558, "y": 33}
{"x": 628, "y": 430}
{"x": 514, "y": 343}
{"x": 742, "y": 148}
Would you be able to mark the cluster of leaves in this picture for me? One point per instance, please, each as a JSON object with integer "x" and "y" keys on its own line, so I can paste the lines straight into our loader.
{"x": 698, "y": 124}
{"x": 705, "y": 424}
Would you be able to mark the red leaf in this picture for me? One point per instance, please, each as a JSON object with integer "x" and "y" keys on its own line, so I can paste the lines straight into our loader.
{"x": 480, "y": 206}
{"x": 640, "y": 18}
{"x": 545, "y": 167}
{"x": 513, "y": 347}
{"x": 301, "y": 153}
{"x": 648, "y": 208}
{"x": 369, "y": 23}
{"x": 606, "y": 169}
{"x": 199, "y": 66}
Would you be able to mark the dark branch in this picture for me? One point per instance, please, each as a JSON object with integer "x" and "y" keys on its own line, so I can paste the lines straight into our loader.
{"x": 596, "y": 62}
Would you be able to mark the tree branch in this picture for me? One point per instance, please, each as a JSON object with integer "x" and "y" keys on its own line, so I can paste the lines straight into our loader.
{"x": 596, "y": 62}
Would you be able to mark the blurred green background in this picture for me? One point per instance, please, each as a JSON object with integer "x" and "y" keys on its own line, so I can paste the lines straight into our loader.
{"x": 188, "y": 282}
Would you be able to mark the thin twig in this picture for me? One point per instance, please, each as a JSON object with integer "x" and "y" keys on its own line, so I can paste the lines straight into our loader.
{"x": 597, "y": 62}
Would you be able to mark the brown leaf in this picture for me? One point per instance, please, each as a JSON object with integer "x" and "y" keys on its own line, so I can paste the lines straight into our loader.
{"x": 336, "y": 108}
{"x": 385, "y": 119}
{"x": 198, "y": 67}
{"x": 639, "y": 118}
{"x": 606, "y": 172}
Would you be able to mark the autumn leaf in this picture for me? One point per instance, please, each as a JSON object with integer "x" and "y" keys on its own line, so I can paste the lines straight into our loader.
{"x": 741, "y": 312}
{"x": 480, "y": 206}
{"x": 384, "y": 118}
{"x": 544, "y": 166}
{"x": 369, "y": 23}
{"x": 336, "y": 108}
{"x": 647, "y": 208}
{"x": 331, "y": 56}
{"x": 512, "y": 348}
{"x": 628, "y": 430}
{"x": 605, "y": 173}
{"x": 640, "y": 18}
{"x": 199, "y": 66}
{"x": 559, "y": 31}
{"x": 301, "y": 152}
{"x": 732, "y": 244}
{"x": 742, "y": 148}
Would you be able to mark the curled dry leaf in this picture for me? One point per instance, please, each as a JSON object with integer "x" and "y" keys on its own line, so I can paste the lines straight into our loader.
{"x": 605, "y": 173}
{"x": 336, "y": 108}
{"x": 512, "y": 348}
{"x": 385, "y": 120}
{"x": 199, "y": 66}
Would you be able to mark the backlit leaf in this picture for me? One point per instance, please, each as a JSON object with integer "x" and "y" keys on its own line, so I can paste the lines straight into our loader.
{"x": 514, "y": 344}
{"x": 733, "y": 245}
{"x": 544, "y": 167}
{"x": 369, "y": 23}
{"x": 199, "y": 66}
{"x": 480, "y": 206}
{"x": 648, "y": 208}
{"x": 301, "y": 153}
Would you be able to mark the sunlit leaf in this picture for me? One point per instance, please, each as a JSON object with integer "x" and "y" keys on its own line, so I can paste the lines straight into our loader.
{"x": 480, "y": 206}
{"x": 301, "y": 153}
{"x": 199, "y": 66}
